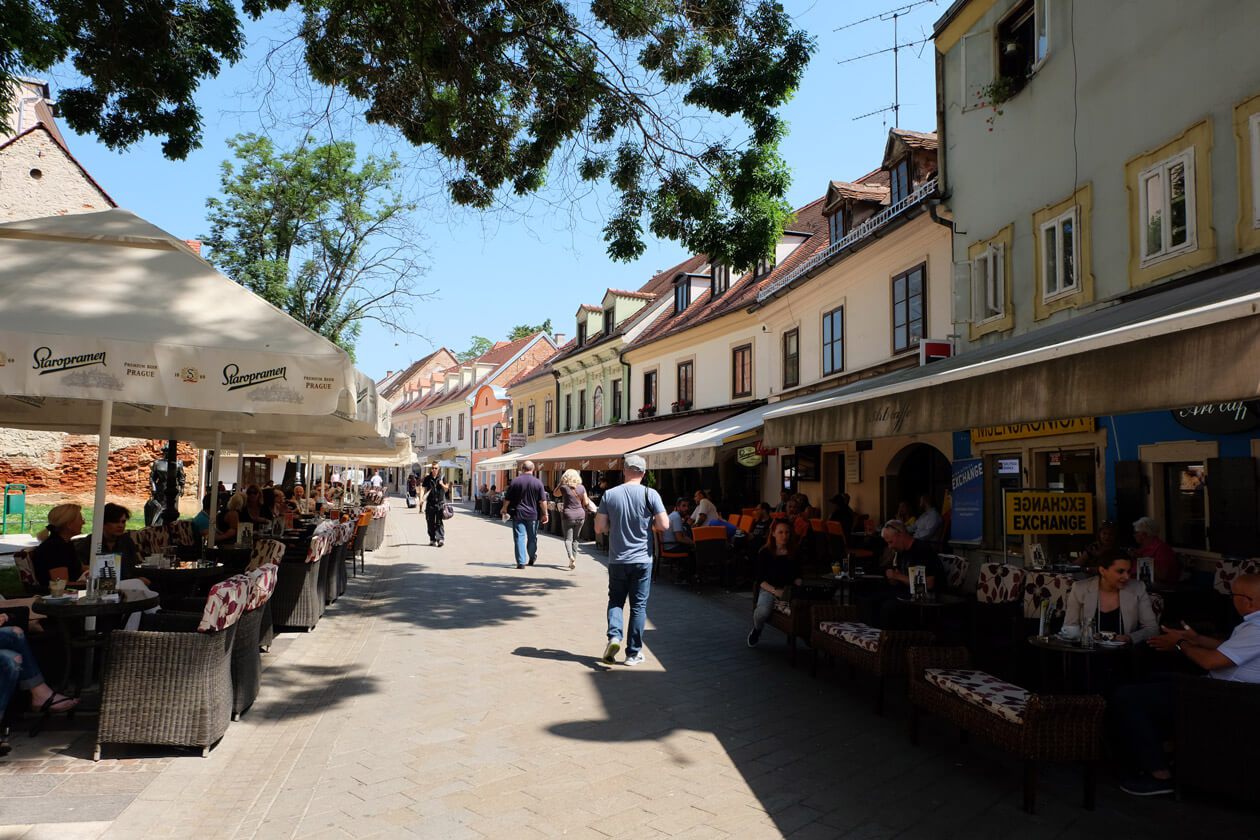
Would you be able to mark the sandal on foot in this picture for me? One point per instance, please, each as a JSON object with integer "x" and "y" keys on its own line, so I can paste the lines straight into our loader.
{"x": 58, "y": 703}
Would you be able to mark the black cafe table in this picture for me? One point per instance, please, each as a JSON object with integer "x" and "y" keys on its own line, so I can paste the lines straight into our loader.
{"x": 933, "y": 608}
{"x": 1095, "y": 663}
{"x": 848, "y": 584}
{"x": 84, "y": 627}
{"x": 176, "y": 584}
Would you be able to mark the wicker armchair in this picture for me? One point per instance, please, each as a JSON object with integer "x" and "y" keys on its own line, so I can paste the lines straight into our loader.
{"x": 151, "y": 540}
{"x": 792, "y": 618}
{"x": 181, "y": 533}
{"x": 335, "y": 570}
{"x": 246, "y": 660}
{"x": 1033, "y": 727}
{"x": 359, "y": 544}
{"x": 837, "y": 632}
{"x": 376, "y": 527}
{"x": 1214, "y": 743}
{"x": 170, "y": 682}
{"x": 298, "y": 600}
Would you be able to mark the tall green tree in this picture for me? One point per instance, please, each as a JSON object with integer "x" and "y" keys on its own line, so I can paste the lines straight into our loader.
{"x": 515, "y": 95}
{"x": 323, "y": 237}
{"x": 479, "y": 345}
{"x": 525, "y": 330}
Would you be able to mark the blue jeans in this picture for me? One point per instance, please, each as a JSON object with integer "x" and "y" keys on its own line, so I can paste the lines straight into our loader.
{"x": 633, "y": 580}
{"x": 17, "y": 665}
{"x": 525, "y": 537}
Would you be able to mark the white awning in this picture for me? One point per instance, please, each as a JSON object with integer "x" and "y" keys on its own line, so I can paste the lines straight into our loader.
{"x": 698, "y": 448}
{"x": 1189, "y": 345}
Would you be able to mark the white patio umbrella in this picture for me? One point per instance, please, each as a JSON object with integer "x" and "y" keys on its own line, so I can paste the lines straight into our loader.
{"x": 109, "y": 324}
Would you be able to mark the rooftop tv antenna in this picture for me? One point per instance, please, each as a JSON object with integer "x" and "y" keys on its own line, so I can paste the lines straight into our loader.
{"x": 894, "y": 15}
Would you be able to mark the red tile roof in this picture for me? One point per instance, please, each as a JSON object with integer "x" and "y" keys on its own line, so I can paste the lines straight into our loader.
{"x": 637, "y": 295}
{"x": 543, "y": 369}
{"x": 809, "y": 219}
{"x": 590, "y": 307}
{"x": 916, "y": 139}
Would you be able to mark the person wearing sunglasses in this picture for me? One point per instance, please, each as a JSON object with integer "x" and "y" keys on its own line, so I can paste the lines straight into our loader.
{"x": 1147, "y": 712}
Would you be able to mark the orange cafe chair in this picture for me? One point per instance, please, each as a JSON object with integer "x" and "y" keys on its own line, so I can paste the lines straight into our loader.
{"x": 711, "y": 551}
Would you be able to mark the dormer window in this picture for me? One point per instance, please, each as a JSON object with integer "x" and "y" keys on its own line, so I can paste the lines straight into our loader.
{"x": 836, "y": 225}
{"x": 899, "y": 181}
{"x": 610, "y": 321}
{"x": 682, "y": 294}
{"x": 765, "y": 265}
{"x": 720, "y": 279}
{"x": 581, "y": 333}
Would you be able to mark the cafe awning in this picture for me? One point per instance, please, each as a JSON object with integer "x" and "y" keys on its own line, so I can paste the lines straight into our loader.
{"x": 509, "y": 460}
{"x": 699, "y": 447}
{"x": 1194, "y": 344}
{"x": 602, "y": 449}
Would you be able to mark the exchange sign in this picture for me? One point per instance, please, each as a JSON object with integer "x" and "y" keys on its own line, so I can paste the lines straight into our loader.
{"x": 1043, "y": 512}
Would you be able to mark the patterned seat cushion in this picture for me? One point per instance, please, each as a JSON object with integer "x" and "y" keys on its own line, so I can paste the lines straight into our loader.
{"x": 1046, "y": 586}
{"x": 783, "y": 607}
{"x": 264, "y": 552}
{"x": 999, "y": 583}
{"x": 319, "y": 547}
{"x": 225, "y": 604}
{"x": 855, "y": 633}
{"x": 181, "y": 532}
{"x": 955, "y": 570}
{"x": 380, "y": 511}
{"x": 1157, "y": 605}
{"x": 262, "y": 582}
{"x": 26, "y": 569}
{"x": 151, "y": 540}
{"x": 981, "y": 689}
{"x": 1228, "y": 570}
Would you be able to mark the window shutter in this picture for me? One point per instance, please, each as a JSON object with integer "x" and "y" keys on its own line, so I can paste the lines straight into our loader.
{"x": 1130, "y": 498}
{"x": 1232, "y": 508}
{"x": 977, "y": 61}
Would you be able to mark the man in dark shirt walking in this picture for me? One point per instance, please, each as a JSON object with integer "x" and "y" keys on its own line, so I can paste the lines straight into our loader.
{"x": 523, "y": 502}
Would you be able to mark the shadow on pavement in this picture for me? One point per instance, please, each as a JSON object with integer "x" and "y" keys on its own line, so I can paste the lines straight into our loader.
{"x": 592, "y": 662}
{"x": 459, "y": 602}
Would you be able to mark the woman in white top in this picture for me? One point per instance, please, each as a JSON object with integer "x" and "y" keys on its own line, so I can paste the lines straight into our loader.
{"x": 1113, "y": 601}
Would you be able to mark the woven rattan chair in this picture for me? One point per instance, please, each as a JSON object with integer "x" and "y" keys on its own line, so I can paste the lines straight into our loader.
{"x": 837, "y": 633}
{"x": 181, "y": 533}
{"x": 1033, "y": 727}
{"x": 298, "y": 600}
{"x": 246, "y": 660}
{"x": 170, "y": 682}
{"x": 792, "y": 619}
{"x": 358, "y": 546}
{"x": 376, "y": 527}
{"x": 1215, "y": 745}
{"x": 335, "y": 571}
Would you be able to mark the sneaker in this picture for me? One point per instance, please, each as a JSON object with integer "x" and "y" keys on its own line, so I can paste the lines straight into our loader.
{"x": 610, "y": 652}
{"x": 754, "y": 636}
{"x": 1147, "y": 786}
{"x": 637, "y": 659}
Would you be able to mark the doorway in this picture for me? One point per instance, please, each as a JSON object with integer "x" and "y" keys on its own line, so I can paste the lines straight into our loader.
{"x": 917, "y": 469}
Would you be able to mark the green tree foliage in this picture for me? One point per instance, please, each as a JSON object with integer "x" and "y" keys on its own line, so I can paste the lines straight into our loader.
{"x": 478, "y": 346}
{"x": 673, "y": 103}
{"x": 525, "y": 330}
{"x": 317, "y": 234}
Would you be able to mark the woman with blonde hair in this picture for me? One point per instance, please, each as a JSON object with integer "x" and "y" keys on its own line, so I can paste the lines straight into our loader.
{"x": 55, "y": 558}
{"x": 573, "y": 511}
{"x": 230, "y": 519}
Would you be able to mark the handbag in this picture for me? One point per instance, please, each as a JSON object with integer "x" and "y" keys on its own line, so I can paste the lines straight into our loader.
{"x": 448, "y": 510}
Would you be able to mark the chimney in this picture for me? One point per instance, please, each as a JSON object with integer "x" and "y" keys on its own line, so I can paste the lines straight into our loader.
{"x": 559, "y": 339}
{"x": 388, "y": 374}
{"x": 195, "y": 245}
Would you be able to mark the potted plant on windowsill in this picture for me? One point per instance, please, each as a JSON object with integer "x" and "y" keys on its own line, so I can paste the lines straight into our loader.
{"x": 648, "y": 410}
{"x": 680, "y": 405}
{"x": 997, "y": 93}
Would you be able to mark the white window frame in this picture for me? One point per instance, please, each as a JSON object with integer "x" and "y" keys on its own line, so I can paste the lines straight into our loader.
{"x": 988, "y": 274}
{"x": 1254, "y": 126}
{"x": 1060, "y": 289}
{"x": 1186, "y": 158}
{"x": 1041, "y": 21}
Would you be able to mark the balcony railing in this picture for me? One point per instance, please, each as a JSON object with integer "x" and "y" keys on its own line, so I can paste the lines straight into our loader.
{"x": 874, "y": 223}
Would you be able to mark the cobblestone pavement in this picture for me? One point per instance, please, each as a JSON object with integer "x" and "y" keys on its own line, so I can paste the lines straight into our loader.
{"x": 449, "y": 695}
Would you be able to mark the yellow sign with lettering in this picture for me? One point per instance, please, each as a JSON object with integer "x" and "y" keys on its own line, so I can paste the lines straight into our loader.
{"x": 1042, "y": 512}
{"x": 1040, "y": 428}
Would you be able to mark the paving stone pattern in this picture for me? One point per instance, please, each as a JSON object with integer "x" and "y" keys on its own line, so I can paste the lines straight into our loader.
{"x": 449, "y": 695}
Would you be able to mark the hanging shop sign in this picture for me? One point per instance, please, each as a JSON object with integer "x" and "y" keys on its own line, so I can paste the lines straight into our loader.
{"x": 764, "y": 452}
{"x": 966, "y": 518}
{"x": 1045, "y": 512}
{"x": 748, "y": 456}
{"x": 516, "y": 440}
{"x": 1220, "y": 418}
{"x": 1039, "y": 428}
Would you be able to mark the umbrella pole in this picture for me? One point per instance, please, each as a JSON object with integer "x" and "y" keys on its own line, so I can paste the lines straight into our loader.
{"x": 240, "y": 467}
{"x": 213, "y": 512}
{"x": 102, "y": 477}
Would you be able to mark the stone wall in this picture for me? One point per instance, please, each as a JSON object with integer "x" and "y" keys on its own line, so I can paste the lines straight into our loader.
{"x": 38, "y": 178}
{"x": 54, "y": 465}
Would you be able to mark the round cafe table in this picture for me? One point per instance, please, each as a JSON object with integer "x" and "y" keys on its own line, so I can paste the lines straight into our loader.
{"x": 84, "y": 628}
{"x": 1096, "y": 662}
{"x": 174, "y": 585}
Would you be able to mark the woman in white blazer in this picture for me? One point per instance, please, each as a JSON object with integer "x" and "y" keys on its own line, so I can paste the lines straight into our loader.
{"x": 1113, "y": 601}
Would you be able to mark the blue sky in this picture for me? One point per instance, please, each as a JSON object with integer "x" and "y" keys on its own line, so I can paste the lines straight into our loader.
{"x": 492, "y": 271}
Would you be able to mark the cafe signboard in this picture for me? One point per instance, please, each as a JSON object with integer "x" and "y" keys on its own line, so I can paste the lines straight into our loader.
{"x": 1048, "y": 512}
{"x": 748, "y": 456}
{"x": 1220, "y": 418}
{"x": 1038, "y": 428}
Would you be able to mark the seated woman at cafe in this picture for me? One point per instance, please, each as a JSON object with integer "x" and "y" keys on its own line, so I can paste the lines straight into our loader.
{"x": 255, "y": 509}
{"x": 114, "y": 540}
{"x": 266, "y": 508}
{"x": 1167, "y": 566}
{"x": 55, "y": 556}
{"x": 776, "y": 569}
{"x": 19, "y": 670}
{"x": 1107, "y": 540}
{"x": 201, "y": 522}
{"x": 1113, "y": 600}
{"x": 226, "y": 526}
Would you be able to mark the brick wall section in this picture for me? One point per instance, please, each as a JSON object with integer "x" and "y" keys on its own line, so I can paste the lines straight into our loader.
{"x": 60, "y": 190}
{"x": 55, "y": 465}
{"x": 540, "y": 352}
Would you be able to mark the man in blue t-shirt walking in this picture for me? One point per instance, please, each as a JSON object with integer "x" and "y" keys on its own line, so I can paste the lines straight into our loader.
{"x": 523, "y": 502}
{"x": 628, "y": 514}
